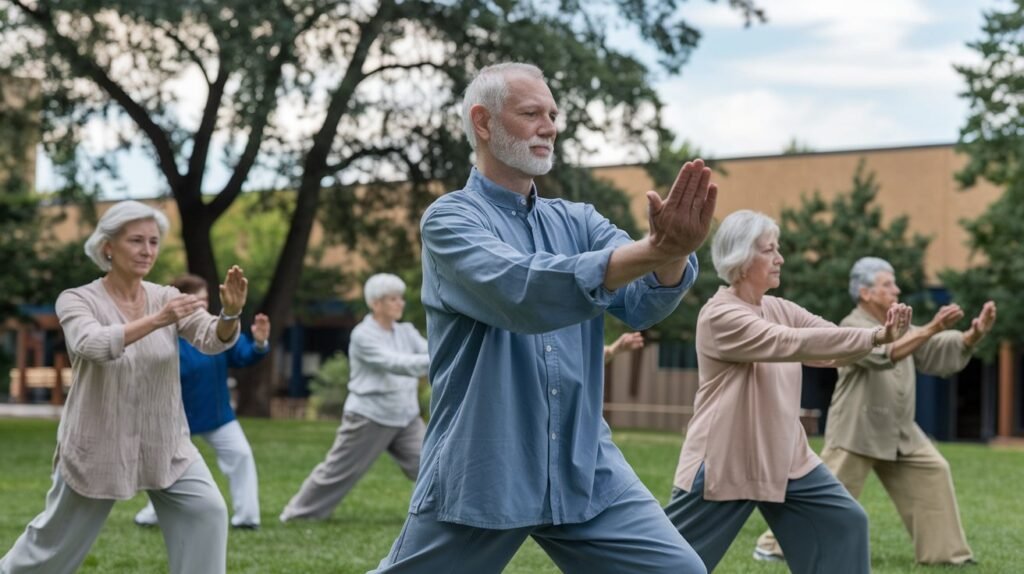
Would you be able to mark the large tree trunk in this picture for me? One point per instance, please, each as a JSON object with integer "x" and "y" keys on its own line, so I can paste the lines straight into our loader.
{"x": 195, "y": 232}
{"x": 254, "y": 397}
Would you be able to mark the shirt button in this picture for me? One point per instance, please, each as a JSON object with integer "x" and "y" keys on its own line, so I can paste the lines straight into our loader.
{"x": 554, "y": 436}
{"x": 512, "y": 212}
{"x": 554, "y": 391}
{"x": 547, "y": 349}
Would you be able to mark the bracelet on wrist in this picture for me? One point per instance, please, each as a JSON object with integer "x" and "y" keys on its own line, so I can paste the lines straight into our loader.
{"x": 225, "y": 317}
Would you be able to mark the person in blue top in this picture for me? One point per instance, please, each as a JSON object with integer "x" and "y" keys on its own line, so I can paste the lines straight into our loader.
{"x": 207, "y": 400}
{"x": 515, "y": 287}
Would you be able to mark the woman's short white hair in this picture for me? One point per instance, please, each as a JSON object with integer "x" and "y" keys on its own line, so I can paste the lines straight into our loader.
{"x": 382, "y": 285}
{"x": 863, "y": 273}
{"x": 490, "y": 88}
{"x": 113, "y": 221}
{"x": 735, "y": 242}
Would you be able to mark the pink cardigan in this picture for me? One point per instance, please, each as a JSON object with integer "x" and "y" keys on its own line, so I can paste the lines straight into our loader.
{"x": 746, "y": 426}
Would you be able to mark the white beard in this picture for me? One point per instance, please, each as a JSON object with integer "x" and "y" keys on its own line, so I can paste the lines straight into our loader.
{"x": 516, "y": 153}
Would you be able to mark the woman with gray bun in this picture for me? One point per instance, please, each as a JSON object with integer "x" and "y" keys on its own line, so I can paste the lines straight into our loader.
{"x": 123, "y": 428}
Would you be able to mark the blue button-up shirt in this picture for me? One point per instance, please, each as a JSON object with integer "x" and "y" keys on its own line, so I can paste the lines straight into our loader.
{"x": 513, "y": 290}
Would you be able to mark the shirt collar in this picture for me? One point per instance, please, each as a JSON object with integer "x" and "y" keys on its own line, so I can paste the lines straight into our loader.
{"x": 498, "y": 195}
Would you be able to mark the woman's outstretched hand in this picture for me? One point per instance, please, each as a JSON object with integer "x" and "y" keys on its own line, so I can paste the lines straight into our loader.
{"x": 897, "y": 322}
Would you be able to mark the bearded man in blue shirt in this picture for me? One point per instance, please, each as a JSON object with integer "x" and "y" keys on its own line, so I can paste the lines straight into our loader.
{"x": 515, "y": 287}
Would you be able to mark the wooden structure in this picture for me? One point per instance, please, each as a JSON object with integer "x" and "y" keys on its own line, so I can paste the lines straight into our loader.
{"x": 31, "y": 370}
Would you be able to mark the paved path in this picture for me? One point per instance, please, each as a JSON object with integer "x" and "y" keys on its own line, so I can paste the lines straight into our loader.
{"x": 27, "y": 411}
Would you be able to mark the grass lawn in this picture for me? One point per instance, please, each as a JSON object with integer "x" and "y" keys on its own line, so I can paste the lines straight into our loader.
{"x": 989, "y": 485}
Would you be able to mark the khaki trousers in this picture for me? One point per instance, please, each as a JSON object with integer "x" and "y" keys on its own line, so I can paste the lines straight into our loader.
{"x": 920, "y": 485}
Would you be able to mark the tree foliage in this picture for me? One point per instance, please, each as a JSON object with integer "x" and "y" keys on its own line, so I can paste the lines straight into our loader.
{"x": 323, "y": 94}
{"x": 993, "y": 140}
{"x": 820, "y": 241}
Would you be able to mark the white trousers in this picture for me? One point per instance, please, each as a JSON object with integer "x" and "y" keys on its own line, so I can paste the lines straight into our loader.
{"x": 234, "y": 457}
{"x": 194, "y": 525}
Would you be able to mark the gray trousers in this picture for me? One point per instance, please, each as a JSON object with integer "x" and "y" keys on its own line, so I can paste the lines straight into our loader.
{"x": 234, "y": 457}
{"x": 358, "y": 443}
{"x": 820, "y": 526}
{"x": 631, "y": 535}
{"x": 193, "y": 518}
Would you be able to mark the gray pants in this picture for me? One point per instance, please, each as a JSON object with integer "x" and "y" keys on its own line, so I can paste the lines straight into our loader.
{"x": 359, "y": 442}
{"x": 193, "y": 518}
{"x": 820, "y": 526}
{"x": 234, "y": 457}
{"x": 631, "y": 535}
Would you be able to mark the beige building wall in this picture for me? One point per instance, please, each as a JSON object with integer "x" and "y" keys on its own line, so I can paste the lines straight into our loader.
{"x": 917, "y": 181}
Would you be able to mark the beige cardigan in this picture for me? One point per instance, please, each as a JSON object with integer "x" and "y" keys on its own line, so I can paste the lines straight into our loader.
{"x": 124, "y": 427}
{"x": 746, "y": 427}
{"x": 872, "y": 412}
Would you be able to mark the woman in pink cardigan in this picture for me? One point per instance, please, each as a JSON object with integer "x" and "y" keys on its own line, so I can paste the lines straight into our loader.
{"x": 745, "y": 446}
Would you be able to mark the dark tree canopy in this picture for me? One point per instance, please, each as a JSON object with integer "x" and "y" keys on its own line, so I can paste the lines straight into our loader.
{"x": 821, "y": 240}
{"x": 993, "y": 140}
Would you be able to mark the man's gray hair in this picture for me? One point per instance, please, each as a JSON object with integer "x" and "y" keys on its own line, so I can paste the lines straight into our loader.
{"x": 113, "y": 221}
{"x": 490, "y": 88}
{"x": 382, "y": 285}
{"x": 863, "y": 272}
{"x": 735, "y": 242}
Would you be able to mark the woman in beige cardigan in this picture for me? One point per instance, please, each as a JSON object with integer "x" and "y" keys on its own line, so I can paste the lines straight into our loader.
{"x": 745, "y": 447}
{"x": 123, "y": 428}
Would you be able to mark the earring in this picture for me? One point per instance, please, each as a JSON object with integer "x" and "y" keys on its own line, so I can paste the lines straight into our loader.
{"x": 109, "y": 258}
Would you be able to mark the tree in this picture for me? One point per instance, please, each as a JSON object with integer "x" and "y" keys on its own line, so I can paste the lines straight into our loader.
{"x": 796, "y": 147}
{"x": 993, "y": 140}
{"x": 322, "y": 93}
{"x": 821, "y": 241}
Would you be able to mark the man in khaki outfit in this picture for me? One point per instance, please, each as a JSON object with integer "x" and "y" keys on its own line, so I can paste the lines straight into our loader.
{"x": 871, "y": 420}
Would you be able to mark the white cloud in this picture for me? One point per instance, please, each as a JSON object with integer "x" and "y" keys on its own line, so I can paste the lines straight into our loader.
{"x": 763, "y": 121}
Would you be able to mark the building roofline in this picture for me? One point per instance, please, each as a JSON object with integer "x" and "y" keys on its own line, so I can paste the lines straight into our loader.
{"x": 800, "y": 154}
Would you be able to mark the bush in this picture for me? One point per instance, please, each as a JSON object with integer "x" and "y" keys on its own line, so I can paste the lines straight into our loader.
{"x": 328, "y": 389}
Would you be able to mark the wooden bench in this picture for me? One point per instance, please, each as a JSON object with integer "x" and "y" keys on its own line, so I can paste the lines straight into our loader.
{"x": 40, "y": 378}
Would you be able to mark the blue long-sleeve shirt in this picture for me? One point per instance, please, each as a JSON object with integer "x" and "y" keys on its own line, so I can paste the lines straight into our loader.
{"x": 204, "y": 382}
{"x": 514, "y": 296}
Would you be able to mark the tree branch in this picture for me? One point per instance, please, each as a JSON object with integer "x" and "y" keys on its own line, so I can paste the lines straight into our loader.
{"x": 360, "y": 154}
{"x": 192, "y": 53}
{"x": 90, "y": 69}
{"x": 401, "y": 67}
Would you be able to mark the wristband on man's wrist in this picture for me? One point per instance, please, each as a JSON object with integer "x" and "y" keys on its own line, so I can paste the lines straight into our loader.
{"x": 225, "y": 317}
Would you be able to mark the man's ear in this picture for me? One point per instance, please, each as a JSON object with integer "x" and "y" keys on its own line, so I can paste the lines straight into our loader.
{"x": 481, "y": 117}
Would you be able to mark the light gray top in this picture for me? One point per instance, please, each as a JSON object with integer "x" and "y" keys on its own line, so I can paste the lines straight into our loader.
{"x": 384, "y": 371}
{"x": 123, "y": 427}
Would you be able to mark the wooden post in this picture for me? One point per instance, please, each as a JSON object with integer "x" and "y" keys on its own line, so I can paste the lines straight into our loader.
{"x": 19, "y": 387}
{"x": 1006, "y": 399}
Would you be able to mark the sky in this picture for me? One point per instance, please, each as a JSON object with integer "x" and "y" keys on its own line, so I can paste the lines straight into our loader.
{"x": 833, "y": 75}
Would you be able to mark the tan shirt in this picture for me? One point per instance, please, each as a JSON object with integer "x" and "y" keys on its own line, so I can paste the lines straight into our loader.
{"x": 124, "y": 427}
{"x": 872, "y": 412}
{"x": 746, "y": 426}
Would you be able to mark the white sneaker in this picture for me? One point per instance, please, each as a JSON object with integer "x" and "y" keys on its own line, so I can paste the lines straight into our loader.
{"x": 767, "y": 555}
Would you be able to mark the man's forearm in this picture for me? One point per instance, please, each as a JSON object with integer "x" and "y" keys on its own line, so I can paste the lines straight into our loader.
{"x": 638, "y": 259}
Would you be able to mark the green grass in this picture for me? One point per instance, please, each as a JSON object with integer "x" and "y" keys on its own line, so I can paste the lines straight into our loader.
{"x": 989, "y": 485}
